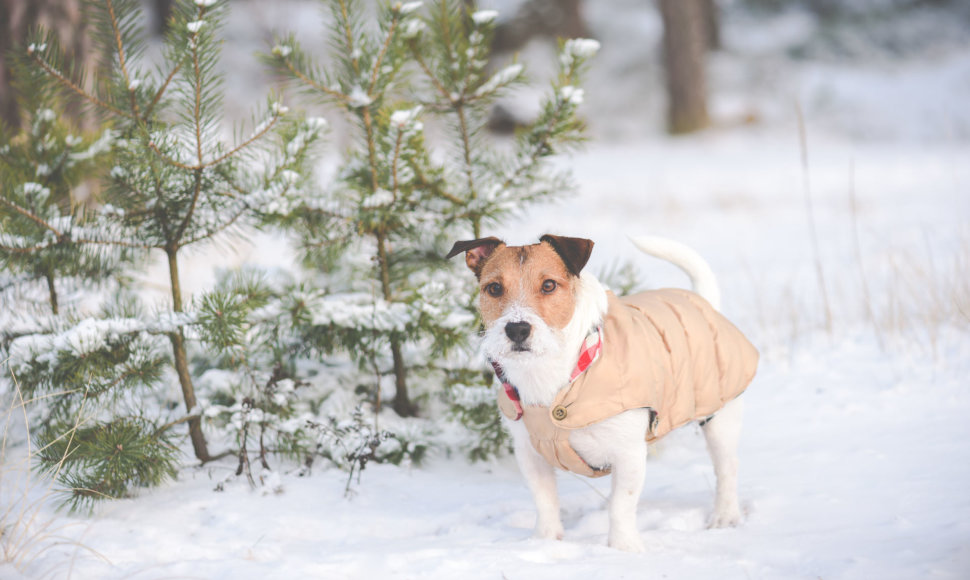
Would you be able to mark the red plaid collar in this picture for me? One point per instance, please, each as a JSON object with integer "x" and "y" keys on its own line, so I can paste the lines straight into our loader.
{"x": 588, "y": 353}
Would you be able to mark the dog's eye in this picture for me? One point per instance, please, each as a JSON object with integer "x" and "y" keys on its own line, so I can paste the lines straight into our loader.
{"x": 549, "y": 286}
{"x": 494, "y": 289}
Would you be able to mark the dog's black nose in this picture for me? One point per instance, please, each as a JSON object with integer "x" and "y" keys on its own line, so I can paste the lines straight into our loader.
{"x": 518, "y": 331}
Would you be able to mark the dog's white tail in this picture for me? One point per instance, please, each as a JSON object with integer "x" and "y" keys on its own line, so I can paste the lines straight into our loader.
{"x": 702, "y": 278}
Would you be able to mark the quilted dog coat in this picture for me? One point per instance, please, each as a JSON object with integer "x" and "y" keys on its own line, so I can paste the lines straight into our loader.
{"x": 667, "y": 350}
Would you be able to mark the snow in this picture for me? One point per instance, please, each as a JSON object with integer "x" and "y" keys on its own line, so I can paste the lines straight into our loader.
{"x": 359, "y": 97}
{"x": 571, "y": 94}
{"x": 405, "y": 117}
{"x": 101, "y": 145}
{"x": 413, "y": 28}
{"x": 501, "y": 78}
{"x": 484, "y": 16}
{"x": 854, "y": 455}
{"x": 409, "y": 7}
{"x": 582, "y": 48}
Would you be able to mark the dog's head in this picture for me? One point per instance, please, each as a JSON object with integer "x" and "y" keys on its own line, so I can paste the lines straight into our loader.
{"x": 531, "y": 297}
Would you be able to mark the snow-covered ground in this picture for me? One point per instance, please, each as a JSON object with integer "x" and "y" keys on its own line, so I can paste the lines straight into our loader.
{"x": 855, "y": 454}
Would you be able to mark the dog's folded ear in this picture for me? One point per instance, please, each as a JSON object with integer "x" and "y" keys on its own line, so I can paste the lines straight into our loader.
{"x": 574, "y": 252}
{"x": 476, "y": 251}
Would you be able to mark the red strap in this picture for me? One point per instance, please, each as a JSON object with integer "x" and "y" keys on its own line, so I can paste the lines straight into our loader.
{"x": 510, "y": 391}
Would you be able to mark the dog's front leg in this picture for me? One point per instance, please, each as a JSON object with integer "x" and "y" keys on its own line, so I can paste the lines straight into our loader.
{"x": 541, "y": 479}
{"x": 629, "y": 469}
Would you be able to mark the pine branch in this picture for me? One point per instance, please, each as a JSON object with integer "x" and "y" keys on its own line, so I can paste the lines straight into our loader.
{"x": 309, "y": 81}
{"x": 197, "y": 191}
{"x": 162, "y": 89}
{"x": 239, "y": 148}
{"x": 197, "y": 89}
{"x": 380, "y": 57}
{"x": 419, "y": 58}
{"x": 349, "y": 36}
{"x": 394, "y": 161}
{"x": 118, "y": 243}
{"x": 31, "y": 216}
{"x": 123, "y": 65}
{"x": 179, "y": 421}
{"x": 220, "y": 228}
{"x": 67, "y": 83}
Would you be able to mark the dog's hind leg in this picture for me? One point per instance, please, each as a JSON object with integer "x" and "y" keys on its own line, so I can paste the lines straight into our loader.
{"x": 722, "y": 433}
{"x": 541, "y": 479}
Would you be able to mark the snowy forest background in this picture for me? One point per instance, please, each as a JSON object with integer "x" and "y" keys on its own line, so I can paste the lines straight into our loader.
{"x": 817, "y": 157}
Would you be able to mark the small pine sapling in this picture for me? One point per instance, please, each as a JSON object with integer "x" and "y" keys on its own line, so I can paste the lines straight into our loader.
{"x": 175, "y": 183}
{"x": 257, "y": 390}
{"x": 350, "y": 443}
{"x": 377, "y": 242}
{"x": 44, "y": 180}
{"x": 87, "y": 382}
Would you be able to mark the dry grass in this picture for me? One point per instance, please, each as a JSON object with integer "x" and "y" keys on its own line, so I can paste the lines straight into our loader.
{"x": 28, "y": 533}
{"x": 909, "y": 298}
{"x": 928, "y": 295}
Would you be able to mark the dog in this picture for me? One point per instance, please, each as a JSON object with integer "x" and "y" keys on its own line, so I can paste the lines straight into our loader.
{"x": 589, "y": 379}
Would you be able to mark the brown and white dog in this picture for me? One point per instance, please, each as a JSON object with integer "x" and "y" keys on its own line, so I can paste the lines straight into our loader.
{"x": 539, "y": 309}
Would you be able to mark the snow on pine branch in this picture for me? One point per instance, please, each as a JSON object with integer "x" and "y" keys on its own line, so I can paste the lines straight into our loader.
{"x": 435, "y": 302}
{"x": 87, "y": 336}
{"x": 578, "y": 50}
{"x": 502, "y": 78}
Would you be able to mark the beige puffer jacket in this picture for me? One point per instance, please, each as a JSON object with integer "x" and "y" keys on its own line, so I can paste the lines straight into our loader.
{"x": 667, "y": 350}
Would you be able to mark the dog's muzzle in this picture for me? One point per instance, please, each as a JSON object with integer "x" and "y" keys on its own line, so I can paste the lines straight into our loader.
{"x": 518, "y": 333}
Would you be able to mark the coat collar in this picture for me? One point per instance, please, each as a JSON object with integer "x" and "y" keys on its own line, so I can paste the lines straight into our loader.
{"x": 588, "y": 353}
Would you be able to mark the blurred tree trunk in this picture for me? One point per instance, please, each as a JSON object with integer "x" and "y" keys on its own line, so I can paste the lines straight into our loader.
{"x": 17, "y": 18}
{"x": 685, "y": 44}
{"x": 712, "y": 24}
{"x": 551, "y": 18}
{"x": 162, "y": 12}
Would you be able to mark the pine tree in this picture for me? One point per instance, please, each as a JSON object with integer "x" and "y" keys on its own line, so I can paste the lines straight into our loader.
{"x": 393, "y": 208}
{"x": 175, "y": 183}
{"x": 172, "y": 184}
{"x": 242, "y": 321}
{"x": 44, "y": 171}
{"x": 376, "y": 289}
{"x": 88, "y": 381}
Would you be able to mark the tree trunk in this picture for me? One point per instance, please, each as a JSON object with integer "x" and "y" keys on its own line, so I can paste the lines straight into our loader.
{"x": 537, "y": 18}
{"x": 712, "y": 24}
{"x": 162, "y": 13}
{"x": 52, "y": 291}
{"x": 182, "y": 362}
{"x": 63, "y": 17}
{"x": 402, "y": 401}
{"x": 684, "y": 51}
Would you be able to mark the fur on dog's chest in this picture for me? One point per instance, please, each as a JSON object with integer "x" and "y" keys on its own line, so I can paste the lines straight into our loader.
{"x": 666, "y": 350}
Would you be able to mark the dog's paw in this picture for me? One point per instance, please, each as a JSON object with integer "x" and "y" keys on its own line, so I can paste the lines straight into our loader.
{"x": 725, "y": 518}
{"x": 553, "y": 531}
{"x": 626, "y": 542}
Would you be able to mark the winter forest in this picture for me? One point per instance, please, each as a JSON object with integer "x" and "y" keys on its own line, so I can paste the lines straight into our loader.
{"x": 231, "y": 345}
